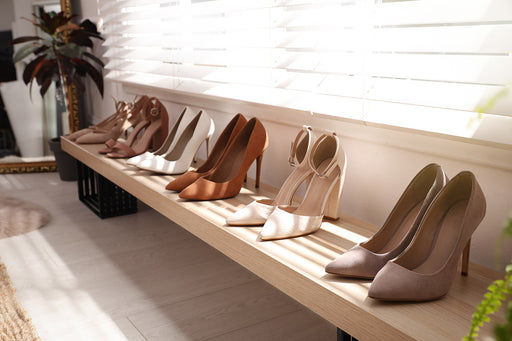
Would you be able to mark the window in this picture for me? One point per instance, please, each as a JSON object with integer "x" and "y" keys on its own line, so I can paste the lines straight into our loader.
{"x": 420, "y": 64}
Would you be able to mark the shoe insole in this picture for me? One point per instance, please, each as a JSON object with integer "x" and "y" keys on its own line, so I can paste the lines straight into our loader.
{"x": 317, "y": 192}
{"x": 184, "y": 139}
{"x": 290, "y": 185}
{"x": 402, "y": 229}
{"x": 446, "y": 239}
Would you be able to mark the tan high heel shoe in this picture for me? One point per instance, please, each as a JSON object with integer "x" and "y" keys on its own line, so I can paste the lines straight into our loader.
{"x": 366, "y": 259}
{"x": 128, "y": 118}
{"x": 227, "y": 178}
{"x": 427, "y": 268}
{"x": 328, "y": 162}
{"x": 257, "y": 212}
{"x": 223, "y": 142}
{"x": 149, "y": 132}
{"x": 107, "y": 124}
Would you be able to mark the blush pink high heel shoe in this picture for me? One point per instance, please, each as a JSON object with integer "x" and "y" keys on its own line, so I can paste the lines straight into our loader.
{"x": 366, "y": 259}
{"x": 426, "y": 269}
{"x": 328, "y": 162}
{"x": 257, "y": 212}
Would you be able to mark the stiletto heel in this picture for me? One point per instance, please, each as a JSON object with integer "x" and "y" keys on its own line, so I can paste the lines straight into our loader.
{"x": 227, "y": 178}
{"x": 258, "y": 170}
{"x": 364, "y": 260}
{"x": 426, "y": 269}
{"x": 207, "y": 147}
{"x": 328, "y": 162}
{"x": 257, "y": 212}
{"x": 465, "y": 259}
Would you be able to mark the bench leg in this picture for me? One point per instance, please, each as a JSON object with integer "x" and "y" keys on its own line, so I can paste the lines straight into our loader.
{"x": 344, "y": 336}
{"x": 103, "y": 197}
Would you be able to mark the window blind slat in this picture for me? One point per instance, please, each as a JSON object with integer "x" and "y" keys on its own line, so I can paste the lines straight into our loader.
{"x": 443, "y": 55}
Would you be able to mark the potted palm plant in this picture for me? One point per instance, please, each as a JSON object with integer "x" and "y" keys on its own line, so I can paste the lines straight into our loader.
{"x": 60, "y": 55}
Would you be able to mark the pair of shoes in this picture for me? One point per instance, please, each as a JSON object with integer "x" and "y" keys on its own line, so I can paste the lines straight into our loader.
{"x": 240, "y": 144}
{"x": 107, "y": 124}
{"x": 225, "y": 139}
{"x": 180, "y": 146}
{"x": 414, "y": 256}
{"x": 126, "y": 116}
{"x": 321, "y": 164}
{"x": 150, "y": 131}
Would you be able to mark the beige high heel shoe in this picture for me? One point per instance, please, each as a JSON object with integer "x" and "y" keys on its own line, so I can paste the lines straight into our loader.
{"x": 427, "y": 268}
{"x": 328, "y": 162}
{"x": 107, "y": 124}
{"x": 366, "y": 259}
{"x": 257, "y": 212}
{"x": 129, "y": 117}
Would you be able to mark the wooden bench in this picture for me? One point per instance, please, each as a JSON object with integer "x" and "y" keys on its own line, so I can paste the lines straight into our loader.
{"x": 296, "y": 266}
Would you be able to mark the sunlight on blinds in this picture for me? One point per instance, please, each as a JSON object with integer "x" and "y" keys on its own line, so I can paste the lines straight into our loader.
{"x": 418, "y": 64}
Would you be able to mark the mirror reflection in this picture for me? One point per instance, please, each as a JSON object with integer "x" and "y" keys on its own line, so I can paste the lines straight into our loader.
{"x": 27, "y": 121}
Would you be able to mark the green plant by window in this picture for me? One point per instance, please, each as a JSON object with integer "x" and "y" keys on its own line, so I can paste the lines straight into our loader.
{"x": 61, "y": 53}
{"x": 498, "y": 292}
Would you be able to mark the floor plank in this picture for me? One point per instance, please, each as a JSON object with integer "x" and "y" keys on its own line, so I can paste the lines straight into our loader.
{"x": 137, "y": 277}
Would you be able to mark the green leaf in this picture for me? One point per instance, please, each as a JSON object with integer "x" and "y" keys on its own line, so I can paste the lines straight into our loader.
{"x": 24, "y": 51}
{"x": 71, "y": 50}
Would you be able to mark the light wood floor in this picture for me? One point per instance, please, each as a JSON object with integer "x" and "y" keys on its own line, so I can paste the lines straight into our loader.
{"x": 137, "y": 277}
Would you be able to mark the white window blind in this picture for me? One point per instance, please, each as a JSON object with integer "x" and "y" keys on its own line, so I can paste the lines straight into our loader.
{"x": 423, "y": 64}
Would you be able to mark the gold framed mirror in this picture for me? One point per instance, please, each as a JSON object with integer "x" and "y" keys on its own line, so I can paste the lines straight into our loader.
{"x": 15, "y": 164}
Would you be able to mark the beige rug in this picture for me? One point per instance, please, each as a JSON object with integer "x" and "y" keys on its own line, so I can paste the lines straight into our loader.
{"x": 15, "y": 325}
{"x": 18, "y": 217}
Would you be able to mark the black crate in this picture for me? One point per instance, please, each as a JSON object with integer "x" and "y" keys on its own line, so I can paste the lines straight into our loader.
{"x": 103, "y": 197}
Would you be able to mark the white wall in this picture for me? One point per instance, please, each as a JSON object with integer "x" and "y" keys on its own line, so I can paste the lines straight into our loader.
{"x": 6, "y": 15}
{"x": 378, "y": 169}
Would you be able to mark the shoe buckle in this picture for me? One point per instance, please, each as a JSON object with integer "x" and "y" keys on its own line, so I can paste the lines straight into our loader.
{"x": 154, "y": 112}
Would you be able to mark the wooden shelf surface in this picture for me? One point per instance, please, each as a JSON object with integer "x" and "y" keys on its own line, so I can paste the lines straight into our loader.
{"x": 296, "y": 266}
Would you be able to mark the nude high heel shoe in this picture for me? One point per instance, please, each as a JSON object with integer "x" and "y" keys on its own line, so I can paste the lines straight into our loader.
{"x": 178, "y": 159}
{"x": 328, "y": 162}
{"x": 257, "y": 212}
{"x": 184, "y": 119}
{"x": 427, "y": 268}
{"x": 131, "y": 115}
{"x": 107, "y": 124}
{"x": 225, "y": 139}
{"x": 366, "y": 259}
{"x": 226, "y": 180}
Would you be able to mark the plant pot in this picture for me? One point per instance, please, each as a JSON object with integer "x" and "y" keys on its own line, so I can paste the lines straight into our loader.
{"x": 66, "y": 164}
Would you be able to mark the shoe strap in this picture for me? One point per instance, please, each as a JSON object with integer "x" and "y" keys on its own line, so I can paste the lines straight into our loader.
{"x": 334, "y": 160}
{"x": 307, "y": 132}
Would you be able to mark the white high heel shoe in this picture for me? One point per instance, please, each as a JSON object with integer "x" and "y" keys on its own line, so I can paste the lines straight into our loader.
{"x": 257, "y": 212}
{"x": 328, "y": 162}
{"x": 178, "y": 159}
{"x": 184, "y": 119}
